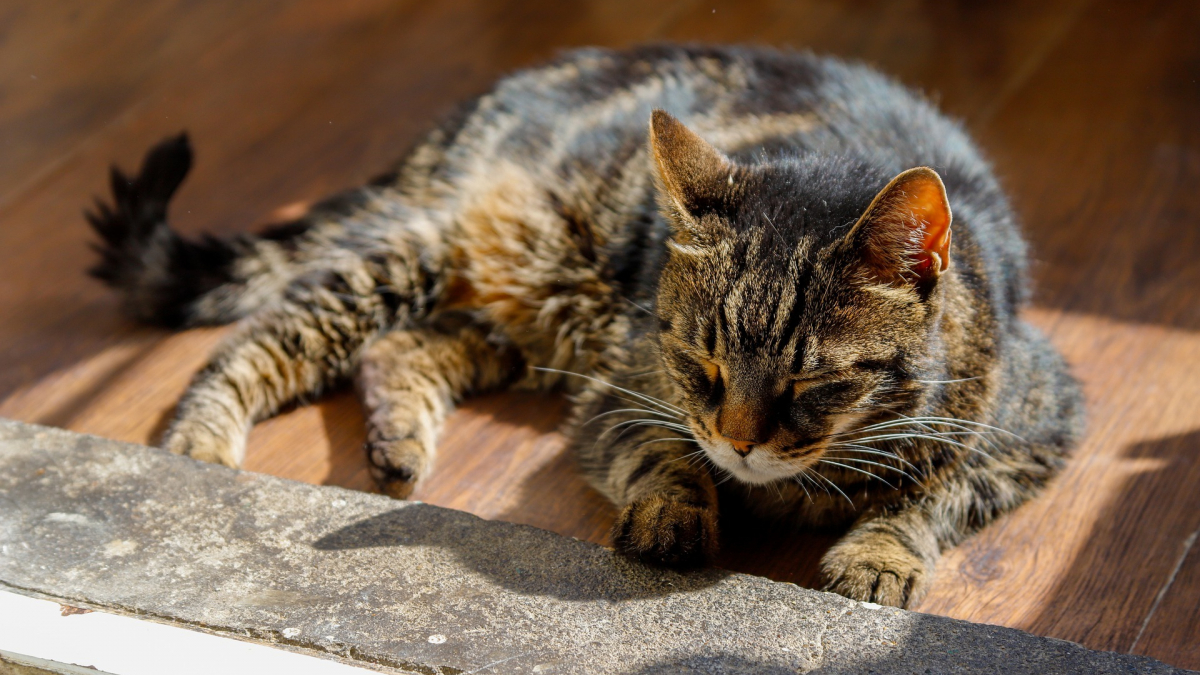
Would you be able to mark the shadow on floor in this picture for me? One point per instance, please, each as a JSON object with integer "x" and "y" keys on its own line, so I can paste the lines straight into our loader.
{"x": 557, "y": 498}
{"x": 1143, "y": 527}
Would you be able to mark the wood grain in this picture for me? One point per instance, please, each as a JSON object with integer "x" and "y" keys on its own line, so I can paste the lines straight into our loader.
{"x": 1088, "y": 108}
{"x": 1175, "y": 623}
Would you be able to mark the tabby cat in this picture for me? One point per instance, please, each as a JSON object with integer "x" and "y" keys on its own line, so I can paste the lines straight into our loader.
{"x": 740, "y": 262}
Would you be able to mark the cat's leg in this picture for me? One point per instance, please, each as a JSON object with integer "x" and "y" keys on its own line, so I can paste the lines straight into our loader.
{"x": 409, "y": 382}
{"x": 641, "y": 455}
{"x": 890, "y": 554}
{"x": 310, "y": 339}
{"x": 887, "y": 558}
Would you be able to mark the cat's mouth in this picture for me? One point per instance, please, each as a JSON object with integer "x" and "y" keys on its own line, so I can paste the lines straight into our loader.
{"x": 762, "y": 465}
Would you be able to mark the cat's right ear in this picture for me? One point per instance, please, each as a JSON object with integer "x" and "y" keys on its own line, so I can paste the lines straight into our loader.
{"x": 695, "y": 180}
{"x": 904, "y": 235}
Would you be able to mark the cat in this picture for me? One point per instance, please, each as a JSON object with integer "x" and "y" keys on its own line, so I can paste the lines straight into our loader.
{"x": 766, "y": 278}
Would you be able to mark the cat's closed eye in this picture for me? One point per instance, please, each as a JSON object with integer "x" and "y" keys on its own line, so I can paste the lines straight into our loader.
{"x": 804, "y": 383}
{"x": 712, "y": 369}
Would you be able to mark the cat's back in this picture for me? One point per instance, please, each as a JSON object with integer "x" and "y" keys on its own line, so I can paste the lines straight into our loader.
{"x": 592, "y": 106}
{"x": 549, "y": 185}
{"x": 577, "y": 127}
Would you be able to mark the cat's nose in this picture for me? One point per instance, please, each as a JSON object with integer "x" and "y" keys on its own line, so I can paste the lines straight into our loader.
{"x": 741, "y": 447}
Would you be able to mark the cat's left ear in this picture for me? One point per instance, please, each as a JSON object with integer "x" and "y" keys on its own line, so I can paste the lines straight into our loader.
{"x": 904, "y": 235}
{"x": 695, "y": 179}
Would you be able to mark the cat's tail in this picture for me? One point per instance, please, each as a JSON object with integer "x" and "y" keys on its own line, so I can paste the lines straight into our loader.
{"x": 169, "y": 280}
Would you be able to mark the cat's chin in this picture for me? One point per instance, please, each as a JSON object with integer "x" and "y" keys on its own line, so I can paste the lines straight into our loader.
{"x": 751, "y": 470}
{"x": 752, "y": 476}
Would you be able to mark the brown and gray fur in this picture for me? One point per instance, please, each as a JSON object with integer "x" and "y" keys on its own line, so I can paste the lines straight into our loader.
{"x": 742, "y": 301}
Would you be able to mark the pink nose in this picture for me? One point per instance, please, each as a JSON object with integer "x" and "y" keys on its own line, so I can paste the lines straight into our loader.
{"x": 741, "y": 447}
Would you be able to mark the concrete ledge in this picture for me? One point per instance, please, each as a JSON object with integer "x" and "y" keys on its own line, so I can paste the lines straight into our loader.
{"x": 408, "y": 587}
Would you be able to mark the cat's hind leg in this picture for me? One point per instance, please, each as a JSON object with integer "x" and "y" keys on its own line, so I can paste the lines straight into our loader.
{"x": 409, "y": 381}
{"x": 312, "y": 338}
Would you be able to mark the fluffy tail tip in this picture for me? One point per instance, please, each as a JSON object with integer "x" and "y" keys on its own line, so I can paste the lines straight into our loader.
{"x": 139, "y": 207}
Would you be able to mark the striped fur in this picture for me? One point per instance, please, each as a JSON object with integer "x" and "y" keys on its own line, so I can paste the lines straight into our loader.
{"x": 740, "y": 302}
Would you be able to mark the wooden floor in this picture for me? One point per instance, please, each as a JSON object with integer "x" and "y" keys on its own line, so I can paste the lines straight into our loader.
{"x": 1090, "y": 110}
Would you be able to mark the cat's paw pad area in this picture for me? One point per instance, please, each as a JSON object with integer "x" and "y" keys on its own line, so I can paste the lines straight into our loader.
{"x": 665, "y": 531}
{"x": 396, "y": 465}
{"x": 876, "y": 569}
{"x": 198, "y": 441}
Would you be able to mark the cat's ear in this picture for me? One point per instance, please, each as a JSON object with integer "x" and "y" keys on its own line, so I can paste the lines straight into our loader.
{"x": 695, "y": 180}
{"x": 904, "y": 235}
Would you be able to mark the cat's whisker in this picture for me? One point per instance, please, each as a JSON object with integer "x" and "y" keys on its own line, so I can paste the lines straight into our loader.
{"x": 865, "y": 473}
{"x": 850, "y": 447}
{"x": 956, "y": 425}
{"x": 956, "y": 421}
{"x": 628, "y": 410}
{"x": 797, "y": 480}
{"x": 656, "y": 411}
{"x": 907, "y": 421}
{"x": 803, "y": 479}
{"x": 928, "y": 419}
{"x": 961, "y": 379}
{"x": 778, "y": 492}
{"x": 832, "y": 484}
{"x": 651, "y": 422}
{"x": 646, "y": 373}
{"x": 896, "y": 433}
{"x": 633, "y": 424}
{"x": 927, "y": 431}
{"x": 805, "y": 475}
{"x": 637, "y": 305}
{"x": 664, "y": 440}
{"x": 772, "y": 223}
{"x": 728, "y": 475}
{"x": 925, "y": 423}
{"x": 988, "y": 431}
{"x": 659, "y": 403}
{"x": 878, "y": 464}
{"x": 689, "y": 457}
{"x": 937, "y": 439}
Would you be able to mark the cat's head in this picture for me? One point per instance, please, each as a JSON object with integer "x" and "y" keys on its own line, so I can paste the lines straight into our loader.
{"x": 799, "y": 296}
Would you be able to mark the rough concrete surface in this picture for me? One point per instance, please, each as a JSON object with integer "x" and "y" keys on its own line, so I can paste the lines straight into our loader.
{"x": 417, "y": 588}
{"x": 12, "y": 664}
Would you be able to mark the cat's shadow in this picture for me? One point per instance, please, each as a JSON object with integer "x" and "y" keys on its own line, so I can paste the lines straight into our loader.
{"x": 555, "y": 497}
{"x": 778, "y": 551}
{"x": 522, "y": 559}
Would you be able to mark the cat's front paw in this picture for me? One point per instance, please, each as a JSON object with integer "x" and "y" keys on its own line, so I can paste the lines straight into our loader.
{"x": 198, "y": 441}
{"x": 665, "y": 531}
{"x": 396, "y": 465}
{"x": 875, "y": 568}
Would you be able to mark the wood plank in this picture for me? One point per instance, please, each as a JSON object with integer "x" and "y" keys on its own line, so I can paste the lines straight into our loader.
{"x": 966, "y": 56}
{"x": 1101, "y": 152}
{"x": 1173, "y": 631}
{"x": 1087, "y": 107}
{"x": 73, "y": 68}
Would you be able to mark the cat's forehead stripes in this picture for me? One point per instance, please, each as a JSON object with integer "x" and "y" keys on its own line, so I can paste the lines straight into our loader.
{"x": 766, "y": 304}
